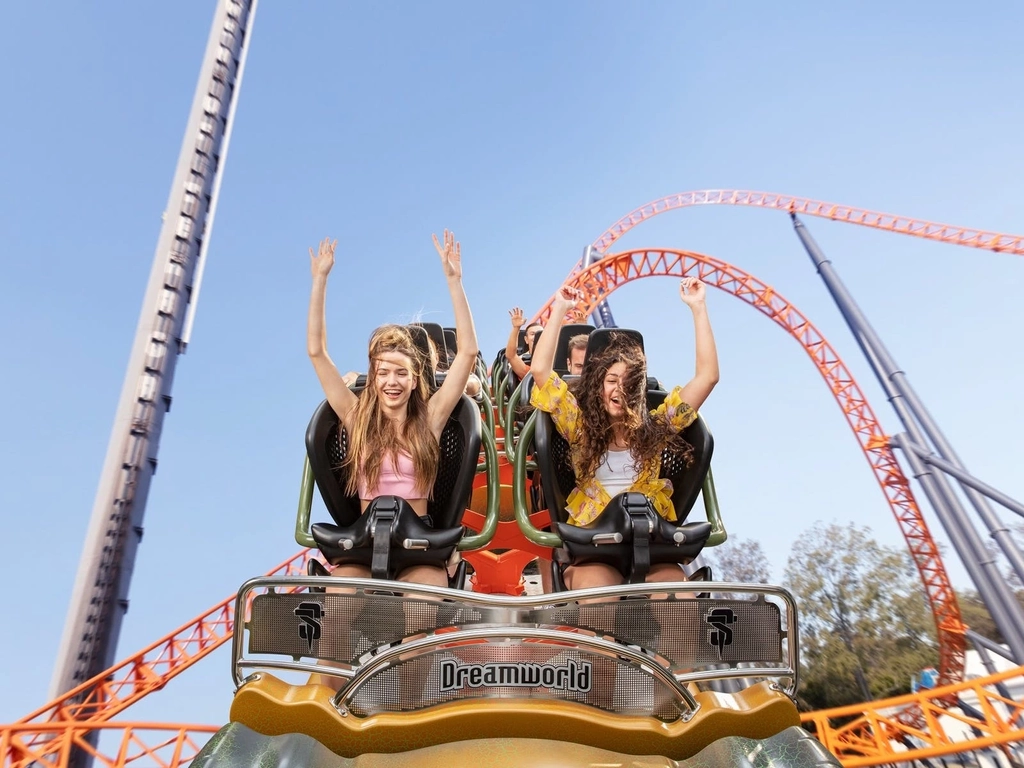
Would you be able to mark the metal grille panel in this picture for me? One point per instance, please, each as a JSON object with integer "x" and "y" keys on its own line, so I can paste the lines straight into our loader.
{"x": 685, "y": 633}
{"x": 343, "y": 628}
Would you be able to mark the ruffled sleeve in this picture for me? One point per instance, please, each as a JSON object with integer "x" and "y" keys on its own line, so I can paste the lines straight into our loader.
{"x": 678, "y": 413}
{"x": 554, "y": 397}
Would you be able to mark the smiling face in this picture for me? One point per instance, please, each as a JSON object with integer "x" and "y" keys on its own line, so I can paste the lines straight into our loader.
{"x": 612, "y": 396}
{"x": 394, "y": 379}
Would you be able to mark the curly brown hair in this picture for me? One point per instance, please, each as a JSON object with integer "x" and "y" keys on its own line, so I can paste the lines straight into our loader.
{"x": 646, "y": 437}
{"x": 375, "y": 436}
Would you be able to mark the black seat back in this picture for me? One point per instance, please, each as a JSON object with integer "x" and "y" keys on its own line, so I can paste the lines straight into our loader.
{"x": 562, "y": 347}
{"x": 686, "y": 481}
{"x": 558, "y": 478}
{"x": 326, "y": 446}
{"x": 450, "y": 341}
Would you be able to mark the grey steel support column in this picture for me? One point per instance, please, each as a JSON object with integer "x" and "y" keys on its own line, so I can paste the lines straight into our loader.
{"x": 999, "y": 532}
{"x": 980, "y": 641}
{"x": 1001, "y": 602}
{"x": 968, "y": 479}
{"x": 960, "y": 538}
{"x": 990, "y": 668}
{"x": 602, "y": 314}
{"x": 99, "y": 599}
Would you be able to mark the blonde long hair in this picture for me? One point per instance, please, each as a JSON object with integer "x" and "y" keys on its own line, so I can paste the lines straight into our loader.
{"x": 375, "y": 436}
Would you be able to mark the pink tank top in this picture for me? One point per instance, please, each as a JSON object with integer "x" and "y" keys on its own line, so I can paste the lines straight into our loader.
{"x": 397, "y": 478}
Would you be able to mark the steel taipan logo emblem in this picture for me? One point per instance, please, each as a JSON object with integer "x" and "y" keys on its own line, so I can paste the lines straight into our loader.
{"x": 310, "y": 629}
{"x": 720, "y": 634}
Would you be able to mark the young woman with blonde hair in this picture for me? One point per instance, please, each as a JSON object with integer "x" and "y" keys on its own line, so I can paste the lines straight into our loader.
{"x": 393, "y": 428}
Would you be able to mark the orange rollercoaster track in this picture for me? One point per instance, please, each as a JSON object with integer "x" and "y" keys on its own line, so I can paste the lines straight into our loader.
{"x": 868, "y": 733}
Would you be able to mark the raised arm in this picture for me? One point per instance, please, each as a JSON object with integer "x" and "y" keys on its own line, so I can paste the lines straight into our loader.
{"x": 543, "y": 359}
{"x": 519, "y": 366}
{"x": 696, "y": 391}
{"x": 443, "y": 401}
{"x": 338, "y": 395}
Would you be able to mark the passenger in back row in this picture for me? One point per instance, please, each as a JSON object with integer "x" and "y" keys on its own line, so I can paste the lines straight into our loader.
{"x": 615, "y": 442}
{"x": 576, "y": 351}
{"x": 520, "y": 367}
{"x": 394, "y": 427}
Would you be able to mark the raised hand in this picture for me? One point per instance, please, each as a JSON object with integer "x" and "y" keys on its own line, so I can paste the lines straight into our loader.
{"x": 691, "y": 291}
{"x": 517, "y": 317}
{"x": 320, "y": 264}
{"x": 565, "y": 301}
{"x": 451, "y": 255}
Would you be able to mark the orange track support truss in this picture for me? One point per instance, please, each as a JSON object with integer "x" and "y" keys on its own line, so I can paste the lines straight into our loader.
{"x": 867, "y": 732}
{"x": 152, "y": 668}
{"x": 138, "y": 744}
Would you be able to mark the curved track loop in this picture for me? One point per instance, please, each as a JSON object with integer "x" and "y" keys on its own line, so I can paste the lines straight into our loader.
{"x": 613, "y": 271}
{"x": 890, "y": 222}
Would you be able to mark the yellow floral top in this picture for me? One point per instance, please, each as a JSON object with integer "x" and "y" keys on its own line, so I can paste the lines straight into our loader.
{"x": 589, "y": 498}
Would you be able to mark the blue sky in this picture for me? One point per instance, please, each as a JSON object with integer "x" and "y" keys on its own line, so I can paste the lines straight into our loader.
{"x": 528, "y": 129}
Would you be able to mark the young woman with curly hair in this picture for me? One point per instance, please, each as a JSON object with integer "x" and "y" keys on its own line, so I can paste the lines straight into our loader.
{"x": 395, "y": 425}
{"x": 615, "y": 442}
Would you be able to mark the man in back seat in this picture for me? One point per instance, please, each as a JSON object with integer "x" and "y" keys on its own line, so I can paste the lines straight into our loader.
{"x": 575, "y": 353}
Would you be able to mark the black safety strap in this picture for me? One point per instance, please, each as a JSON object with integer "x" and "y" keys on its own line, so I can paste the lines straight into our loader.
{"x": 639, "y": 510}
{"x": 384, "y": 512}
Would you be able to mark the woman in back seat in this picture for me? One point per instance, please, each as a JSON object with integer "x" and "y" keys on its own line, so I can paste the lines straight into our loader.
{"x": 615, "y": 443}
{"x": 395, "y": 426}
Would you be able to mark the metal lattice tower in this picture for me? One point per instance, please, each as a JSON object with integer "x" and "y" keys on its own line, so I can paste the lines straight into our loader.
{"x": 99, "y": 599}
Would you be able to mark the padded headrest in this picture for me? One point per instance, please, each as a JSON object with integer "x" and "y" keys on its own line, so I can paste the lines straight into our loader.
{"x": 562, "y": 348}
{"x": 420, "y": 339}
{"x": 449, "y": 340}
{"x": 602, "y": 337}
{"x": 436, "y": 334}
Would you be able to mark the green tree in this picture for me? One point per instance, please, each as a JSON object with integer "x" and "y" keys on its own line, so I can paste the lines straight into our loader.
{"x": 740, "y": 560}
{"x": 974, "y": 613}
{"x": 865, "y": 627}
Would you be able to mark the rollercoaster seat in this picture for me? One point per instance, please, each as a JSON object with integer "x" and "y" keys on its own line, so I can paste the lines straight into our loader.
{"x": 390, "y": 537}
{"x": 451, "y": 341}
{"x": 565, "y": 333}
{"x": 629, "y": 534}
{"x": 388, "y": 530}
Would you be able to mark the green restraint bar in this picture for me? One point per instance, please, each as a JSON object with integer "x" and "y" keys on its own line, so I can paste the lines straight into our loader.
{"x": 547, "y": 539}
{"x": 469, "y": 540}
{"x": 487, "y": 406}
